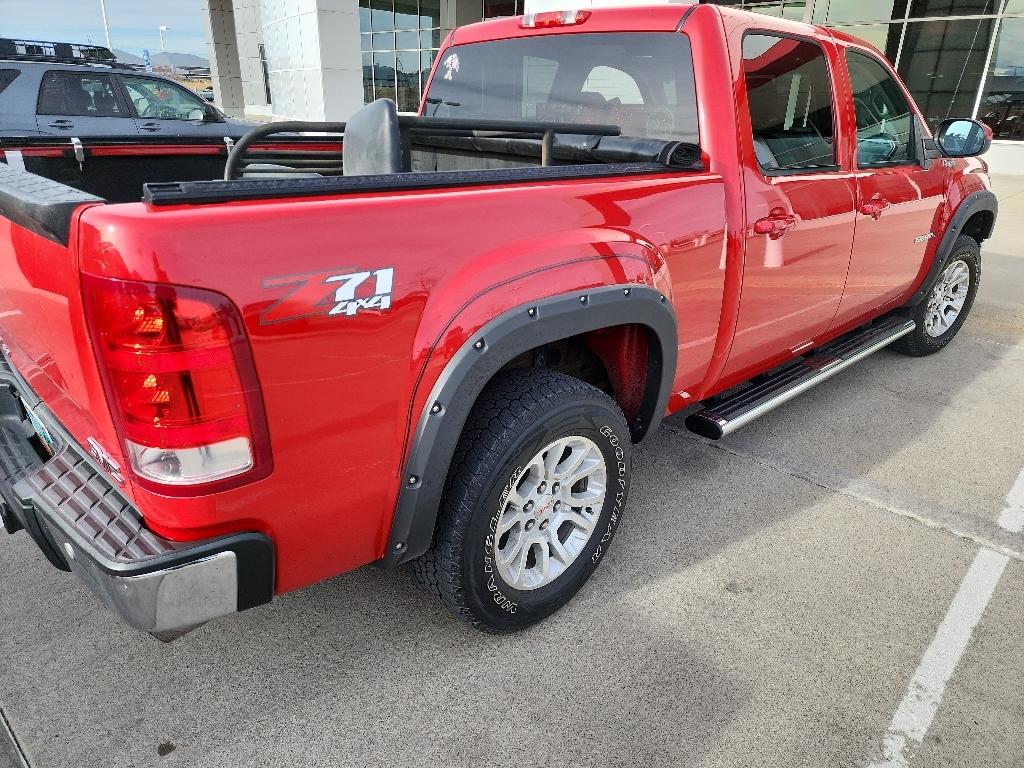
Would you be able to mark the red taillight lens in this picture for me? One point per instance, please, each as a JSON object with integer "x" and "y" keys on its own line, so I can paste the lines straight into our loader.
{"x": 181, "y": 383}
{"x": 553, "y": 19}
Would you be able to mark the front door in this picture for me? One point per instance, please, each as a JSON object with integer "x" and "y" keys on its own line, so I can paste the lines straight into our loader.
{"x": 799, "y": 202}
{"x": 899, "y": 200}
{"x": 81, "y": 104}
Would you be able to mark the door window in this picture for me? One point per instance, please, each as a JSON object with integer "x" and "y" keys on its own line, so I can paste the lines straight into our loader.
{"x": 789, "y": 92}
{"x": 79, "y": 94}
{"x": 7, "y": 77}
{"x": 885, "y": 121}
{"x": 159, "y": 99}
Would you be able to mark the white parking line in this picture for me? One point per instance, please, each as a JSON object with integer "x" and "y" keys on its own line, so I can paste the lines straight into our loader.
{"x": 915, "y": 713}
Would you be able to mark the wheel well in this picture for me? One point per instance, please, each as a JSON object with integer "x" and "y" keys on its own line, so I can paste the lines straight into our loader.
{"x": 979, "y": 226}
{"x": 614, "y": 359}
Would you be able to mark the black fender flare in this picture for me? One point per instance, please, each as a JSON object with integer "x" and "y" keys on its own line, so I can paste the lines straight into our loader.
{"x": 982, "y": 200}
{"x": 498, "y": 342}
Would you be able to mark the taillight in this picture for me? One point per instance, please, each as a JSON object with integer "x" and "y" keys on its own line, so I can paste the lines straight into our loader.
{"x": 181, "y": 384}
{"x": 553, "y": 19}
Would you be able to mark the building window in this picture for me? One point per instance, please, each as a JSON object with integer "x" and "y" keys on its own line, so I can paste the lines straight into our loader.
{"x": 399, "y": 40}
{"x": 921, "y": 9}
{"x": 851, "y": 11}
{"x": 1002, "y": 103}
{"x": 942, "y": 63}
{"x": 782, "y": 9}
{"x": 947, "y": 52}
{"x": 492, "y": 9}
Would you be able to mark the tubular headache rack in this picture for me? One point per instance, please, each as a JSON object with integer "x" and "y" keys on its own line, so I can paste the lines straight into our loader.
{"x": 12, "y": 49}
{"x": 410, "y": 127}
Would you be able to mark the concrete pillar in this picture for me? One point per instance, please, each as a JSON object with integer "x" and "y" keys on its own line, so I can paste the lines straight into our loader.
{"x": 222, "y": 48}
{"x": 313, "y": 58}
{"x": 459, "y": 13}
{"x": 248, "y": 33}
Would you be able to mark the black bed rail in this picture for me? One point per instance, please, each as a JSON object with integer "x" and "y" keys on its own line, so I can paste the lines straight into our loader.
{"x": 410, "y": 126}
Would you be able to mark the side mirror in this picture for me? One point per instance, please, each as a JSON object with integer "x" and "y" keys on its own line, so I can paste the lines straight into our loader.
{"x": 211, "y": 114}
{"x": 959, "y": 137}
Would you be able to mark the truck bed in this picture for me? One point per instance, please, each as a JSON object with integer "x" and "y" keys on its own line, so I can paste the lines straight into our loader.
{"x": 264, "y": 243}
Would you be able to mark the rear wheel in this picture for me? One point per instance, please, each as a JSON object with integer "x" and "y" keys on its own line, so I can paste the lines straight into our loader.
{"x": 948, "y": 300}
{"x": 535, "y": 492}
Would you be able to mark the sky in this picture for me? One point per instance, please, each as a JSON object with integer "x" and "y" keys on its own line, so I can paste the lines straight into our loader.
{"x": 134, "y": 24}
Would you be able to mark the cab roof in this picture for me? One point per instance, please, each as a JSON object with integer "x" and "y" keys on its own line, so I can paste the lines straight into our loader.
{"x": 648, "y": 18}
{"x": 665, "y": 17}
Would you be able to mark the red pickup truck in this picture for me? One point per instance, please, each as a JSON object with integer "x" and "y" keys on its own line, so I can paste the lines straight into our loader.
{"x": 233, "y": 371}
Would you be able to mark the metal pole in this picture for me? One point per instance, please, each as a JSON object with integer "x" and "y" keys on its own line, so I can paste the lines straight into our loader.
{"x": 162, "y": 40}
{"x": 106, "y": 29}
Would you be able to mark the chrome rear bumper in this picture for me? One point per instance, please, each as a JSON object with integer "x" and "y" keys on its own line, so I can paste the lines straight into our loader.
{"x": 83, "y": 523}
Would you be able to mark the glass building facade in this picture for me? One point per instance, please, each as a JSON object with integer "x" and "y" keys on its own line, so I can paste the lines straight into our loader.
{"x": 959, "y": 58}
{"x": 399, "y": 40}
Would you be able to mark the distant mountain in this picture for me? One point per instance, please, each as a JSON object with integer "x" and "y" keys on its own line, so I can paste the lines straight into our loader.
{"x": 179, "y": 60}
{"x": 126, "y": 57}
{"x": 164, "y": 60}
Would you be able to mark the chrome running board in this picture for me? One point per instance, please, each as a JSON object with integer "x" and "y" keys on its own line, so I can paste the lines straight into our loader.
{"x": 734, "y": 411}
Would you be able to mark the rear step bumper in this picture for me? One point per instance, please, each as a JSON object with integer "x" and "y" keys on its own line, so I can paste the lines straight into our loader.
{"x": 734, "y": 411}
{"x": 82, "y": 523}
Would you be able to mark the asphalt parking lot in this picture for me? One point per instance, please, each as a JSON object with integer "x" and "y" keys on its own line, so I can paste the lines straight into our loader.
{"x": 801, "y": 594}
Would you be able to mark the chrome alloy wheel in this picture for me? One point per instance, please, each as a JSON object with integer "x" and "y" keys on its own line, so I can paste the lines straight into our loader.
{"x": 947, "y": 299}
{"x": 550, "y": 513}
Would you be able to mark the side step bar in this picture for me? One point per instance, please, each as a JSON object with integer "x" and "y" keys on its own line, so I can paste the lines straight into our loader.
{"x": 734, "y": 411}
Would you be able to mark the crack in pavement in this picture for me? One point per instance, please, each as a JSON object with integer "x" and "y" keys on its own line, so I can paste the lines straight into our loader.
{"x": 963, "y": 525}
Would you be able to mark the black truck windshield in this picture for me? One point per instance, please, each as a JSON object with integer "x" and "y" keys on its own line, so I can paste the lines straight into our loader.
{"x": 639, "y": 81}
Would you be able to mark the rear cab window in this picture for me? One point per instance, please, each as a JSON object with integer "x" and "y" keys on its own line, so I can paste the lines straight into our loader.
{"x": 79, "y": 94}
{"x": 640, "y": 81}
{"x": 789, "y": 93}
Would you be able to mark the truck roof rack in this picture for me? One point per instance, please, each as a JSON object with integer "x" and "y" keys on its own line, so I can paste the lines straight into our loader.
{"x": 12, "y": 49}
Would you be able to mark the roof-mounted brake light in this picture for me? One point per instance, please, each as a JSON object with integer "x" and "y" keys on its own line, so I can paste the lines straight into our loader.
{"x": 553, "y": 19}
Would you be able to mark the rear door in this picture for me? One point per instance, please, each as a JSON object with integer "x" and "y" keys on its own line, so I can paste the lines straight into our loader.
{"x": 81, "y": 104}
{"x": 161, "y": 107}
{"x": 799, "y": 199}
{"x": 899, "y": 195}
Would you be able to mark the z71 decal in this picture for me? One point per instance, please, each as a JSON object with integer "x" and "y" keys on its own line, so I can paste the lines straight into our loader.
{"x": 326, "y": 293}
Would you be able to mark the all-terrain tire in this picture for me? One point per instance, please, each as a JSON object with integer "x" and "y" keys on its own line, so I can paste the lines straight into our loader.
{"x": 921, "y": 342}
{"x": 516, "y": 417}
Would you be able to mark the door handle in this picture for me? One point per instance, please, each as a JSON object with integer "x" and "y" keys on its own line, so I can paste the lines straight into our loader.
{"x": 65, "y": 125}
{"x": 775, "y": 224}
{"x": 150, "y": 126}
{"x": 874, "y": 207}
